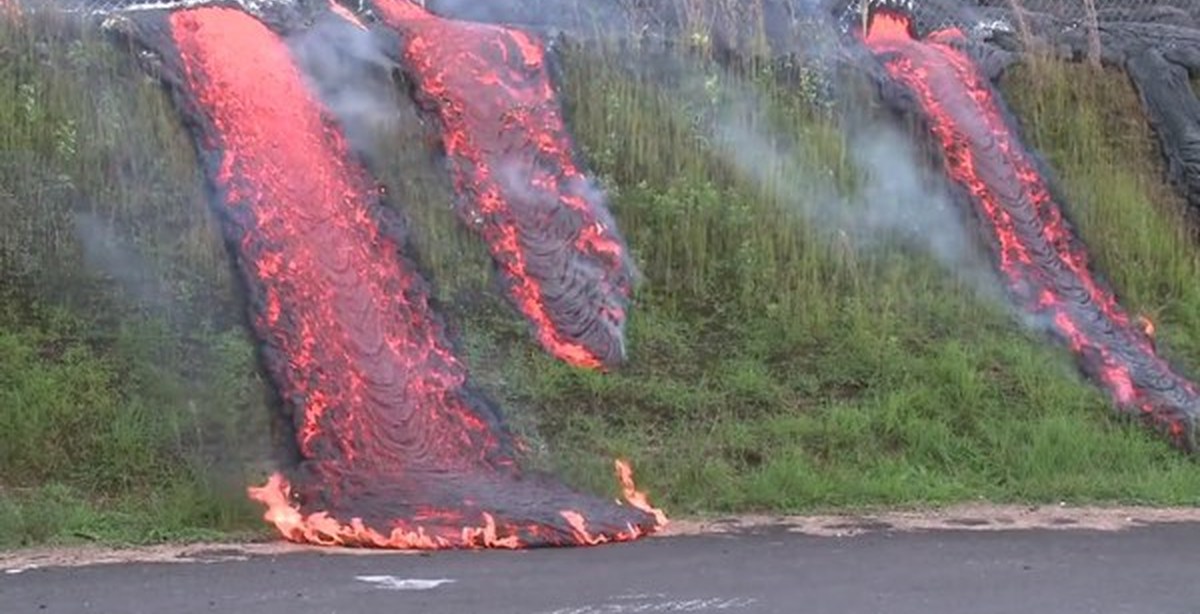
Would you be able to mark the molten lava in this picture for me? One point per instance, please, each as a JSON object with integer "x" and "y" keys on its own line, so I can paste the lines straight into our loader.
{"x": 1043, "y": 261}
{"x": 551, "y": 236}
{"x": 396, "y": 451}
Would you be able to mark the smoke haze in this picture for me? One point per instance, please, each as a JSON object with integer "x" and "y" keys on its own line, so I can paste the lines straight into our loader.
{"x": 895, "y": 198}
{"x": 348, "y": 68}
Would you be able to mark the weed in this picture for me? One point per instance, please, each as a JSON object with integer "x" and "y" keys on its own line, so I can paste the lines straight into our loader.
{"x": 777, "y": 361}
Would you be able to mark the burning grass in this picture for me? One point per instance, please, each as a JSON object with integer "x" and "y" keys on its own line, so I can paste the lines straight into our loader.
{"x": 773, "y": 365}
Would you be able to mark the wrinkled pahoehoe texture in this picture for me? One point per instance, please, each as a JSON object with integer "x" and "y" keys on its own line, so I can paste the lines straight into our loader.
{"x": 1157, "y": 44}
{"x": 1038, "y": 253}
{"x": 396, "y": 450}
{"x": 563, "y": 263}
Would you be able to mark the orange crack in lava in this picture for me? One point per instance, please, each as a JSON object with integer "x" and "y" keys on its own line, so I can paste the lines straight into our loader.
{"x": 396, "y": 450}
{"x": 547, "y": 227}
{"x": 1045, "y": 265}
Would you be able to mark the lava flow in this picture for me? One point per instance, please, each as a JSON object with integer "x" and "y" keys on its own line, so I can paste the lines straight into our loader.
{"x": 1044, "y": 263}
{"x": 396, "y": 450}
{"x": 564, "y": 265}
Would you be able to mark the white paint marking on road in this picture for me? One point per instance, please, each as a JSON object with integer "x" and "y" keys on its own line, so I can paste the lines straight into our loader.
{"x": 689, "y": 605}
{"x": 393, "y": 583}
{"x": 22, "y": 569}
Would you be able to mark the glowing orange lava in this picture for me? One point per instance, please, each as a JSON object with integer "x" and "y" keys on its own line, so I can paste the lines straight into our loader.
{"x": 319, "y": 528}
{"x": 548, "y": 228}
{"x": 396, "y": 450}
{"x": 1045, "y": 264}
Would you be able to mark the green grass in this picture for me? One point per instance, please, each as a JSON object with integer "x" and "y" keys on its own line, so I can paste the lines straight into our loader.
{"x": 1135, "y": 225}
{"x": 131, "y": 406}
{"x": 776, "y": 368}
{"x": 779, "y": 360}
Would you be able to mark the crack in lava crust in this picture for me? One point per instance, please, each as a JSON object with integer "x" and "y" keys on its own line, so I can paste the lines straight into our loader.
{"x": 1043, "y": 261}
{"x": 563, "y": 262}
{"x": 396, "y": 450}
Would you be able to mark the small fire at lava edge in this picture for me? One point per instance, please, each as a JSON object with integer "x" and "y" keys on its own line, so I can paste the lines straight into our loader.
{"x": 396, "y": 450}
{"x": 1039, "y": 255}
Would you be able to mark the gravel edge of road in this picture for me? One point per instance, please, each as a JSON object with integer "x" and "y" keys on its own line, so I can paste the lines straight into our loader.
{"x": 971, "y": 517}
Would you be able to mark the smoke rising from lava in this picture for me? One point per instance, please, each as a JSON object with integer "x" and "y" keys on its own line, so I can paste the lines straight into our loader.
{"x": 349, "y": 68}
{"x": 396, "y": 448}
{"x": 894, "y": 198}
{"x": 1035, "y": 248}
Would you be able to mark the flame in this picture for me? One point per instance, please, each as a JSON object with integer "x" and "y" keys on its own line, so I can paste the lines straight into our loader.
{"x": 1147, "y": 326}
{"x": 635, "y": 497}
{"x": 1044, "y": 263}
{"x": 321, "y": 529}
{"x": 548, "y": 228}
{"x": 396, "y": 450}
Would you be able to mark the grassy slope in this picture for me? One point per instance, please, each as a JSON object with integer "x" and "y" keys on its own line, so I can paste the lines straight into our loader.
{"x": 772, "y": 367}
{"x": 130, "y": 402}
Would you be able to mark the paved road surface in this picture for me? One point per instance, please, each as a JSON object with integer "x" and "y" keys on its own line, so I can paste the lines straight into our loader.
{"x": 1153, "y": 570}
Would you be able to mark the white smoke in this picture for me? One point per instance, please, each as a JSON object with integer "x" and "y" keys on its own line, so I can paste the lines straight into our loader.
{"x": 348, "y": 66}
{"x": 105, "y": 251}
{"x": 901, "y": 197}
{"x": 895, "y": 197}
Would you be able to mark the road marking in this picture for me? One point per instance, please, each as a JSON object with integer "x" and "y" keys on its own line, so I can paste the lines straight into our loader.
{"x": 644, "y": 607}
{"x": 393, "y": 583}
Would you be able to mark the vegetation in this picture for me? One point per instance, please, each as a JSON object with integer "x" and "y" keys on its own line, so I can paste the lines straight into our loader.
{"x": 131, "y": 406}
{"x": 779, "y": 366}
{"x": 782, "y": 357}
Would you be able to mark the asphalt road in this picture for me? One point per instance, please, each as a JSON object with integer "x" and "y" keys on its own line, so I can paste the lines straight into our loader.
{"x": 1154, "y": 570}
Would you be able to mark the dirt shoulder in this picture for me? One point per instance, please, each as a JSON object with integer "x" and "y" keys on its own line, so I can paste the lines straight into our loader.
{"x": 970, "y": 517}
{"x": 974, "y": 517}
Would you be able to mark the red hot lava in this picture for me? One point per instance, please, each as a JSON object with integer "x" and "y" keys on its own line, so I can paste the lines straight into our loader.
{"x": 396, "y": 451}
{"x": 1044, "y": 263}
{"x": 558, "y": 250}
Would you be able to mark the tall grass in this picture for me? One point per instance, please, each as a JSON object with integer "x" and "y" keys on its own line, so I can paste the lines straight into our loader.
{"x": 779, "y": 359}
{"x": 130, "y": 402}
{"x": 776, "y": 365}
{"x": 1137, "y": 228}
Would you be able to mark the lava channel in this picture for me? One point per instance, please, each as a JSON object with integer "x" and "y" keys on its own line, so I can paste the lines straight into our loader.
{"x": 395, "y": 450}
{"x": 1038, "y": 253}
{"x": 559, "y": 255}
